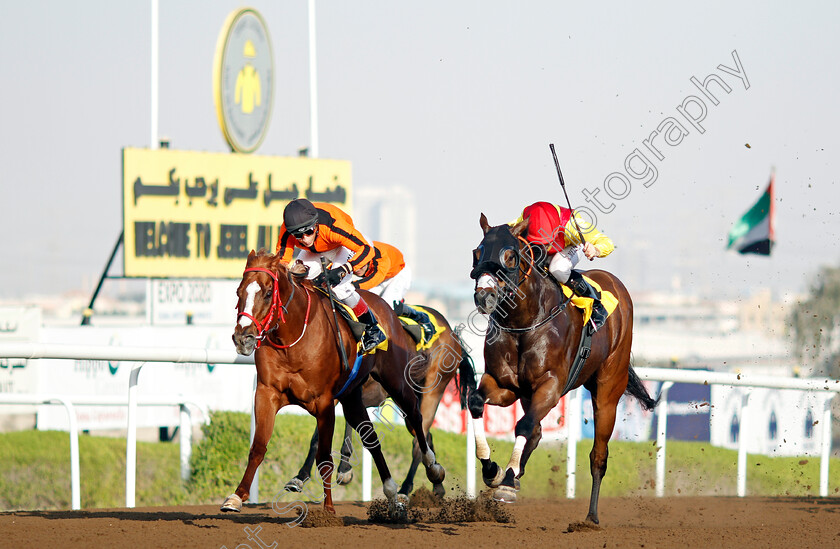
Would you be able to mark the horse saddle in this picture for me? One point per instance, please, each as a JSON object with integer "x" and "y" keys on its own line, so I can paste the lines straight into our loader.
{"x": 413, "y": 328}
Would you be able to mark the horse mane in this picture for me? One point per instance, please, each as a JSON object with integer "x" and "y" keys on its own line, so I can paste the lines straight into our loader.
{"x": 266, "y": 258}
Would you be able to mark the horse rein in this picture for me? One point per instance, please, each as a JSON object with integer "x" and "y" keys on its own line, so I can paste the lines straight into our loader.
{"x": 275, "y": 308}
{"x": 556, "y": 310}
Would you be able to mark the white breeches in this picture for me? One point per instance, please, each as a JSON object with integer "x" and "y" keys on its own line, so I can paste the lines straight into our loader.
{"x": 564, "y": 261}
{"x": 394, "y": 289}
{"x": 344, "y": 291}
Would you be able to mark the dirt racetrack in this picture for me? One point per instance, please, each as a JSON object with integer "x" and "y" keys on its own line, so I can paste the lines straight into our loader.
{"x": 625, "y": 522}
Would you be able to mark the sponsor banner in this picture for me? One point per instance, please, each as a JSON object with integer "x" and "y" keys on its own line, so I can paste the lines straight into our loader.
{"x": 632, "y": 422}
{"x": 778, "y": 422}
{"x": 220, "y": 387}
{"x": 204, "y": 301}
{"x": 689, "y": 412}
{"x": 197, "y": 214}
{"x": 498, "y": 422}
{"x": 18, "y": 324}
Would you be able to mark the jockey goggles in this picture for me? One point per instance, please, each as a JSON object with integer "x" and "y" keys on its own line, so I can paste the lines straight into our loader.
{"x": 305, "y": 231}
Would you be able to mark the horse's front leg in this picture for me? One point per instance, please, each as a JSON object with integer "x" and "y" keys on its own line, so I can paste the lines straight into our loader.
{"x": 296, "y": 483}
{"x": 488, "y": 392}
{"x": 323, "y": 456}
{"x": 266, "y": 404}
{"x": 345, "y": 468}
{"x": 536, "y": 408}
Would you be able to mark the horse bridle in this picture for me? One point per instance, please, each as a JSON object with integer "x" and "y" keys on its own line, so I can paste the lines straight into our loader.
{"x": 506, "y": 285}
{"x": 277, "y": 308}
{"x": 508, "y": 292}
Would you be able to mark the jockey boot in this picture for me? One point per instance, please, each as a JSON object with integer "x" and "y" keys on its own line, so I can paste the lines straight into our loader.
{"x": 582, "y": 288}
{"x": 419, "y": 317}
{"x": 373, "y": 335}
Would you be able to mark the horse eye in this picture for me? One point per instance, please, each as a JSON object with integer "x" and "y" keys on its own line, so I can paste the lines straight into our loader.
{"x": 508, "y": 257}
{"x": 476, "y": 255}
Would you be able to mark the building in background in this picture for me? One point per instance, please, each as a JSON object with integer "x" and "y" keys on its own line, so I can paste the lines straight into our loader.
{"x": 388, "y": 214}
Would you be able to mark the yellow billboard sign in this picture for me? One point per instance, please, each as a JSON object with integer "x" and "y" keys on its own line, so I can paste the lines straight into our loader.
{"x": 197, "y": 214}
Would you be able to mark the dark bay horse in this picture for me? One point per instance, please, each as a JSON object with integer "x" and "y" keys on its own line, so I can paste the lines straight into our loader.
{"x": 298, "y": 361}
{"x": 430, "y": 374}
{"x": 531, "y": 344}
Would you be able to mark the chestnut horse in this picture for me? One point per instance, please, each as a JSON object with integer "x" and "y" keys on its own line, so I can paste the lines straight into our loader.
{"x": 298, "y": 361}
{"x": 430, "y": 375}
{"x": 530, "y": 347}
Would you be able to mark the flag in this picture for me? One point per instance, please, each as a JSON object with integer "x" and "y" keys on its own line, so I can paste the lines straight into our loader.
{"x": 753, "y": 233}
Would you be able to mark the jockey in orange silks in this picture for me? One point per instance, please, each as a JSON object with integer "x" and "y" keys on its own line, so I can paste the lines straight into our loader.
{"x": 323, "y": 230}
{"x": 389, "y": 277}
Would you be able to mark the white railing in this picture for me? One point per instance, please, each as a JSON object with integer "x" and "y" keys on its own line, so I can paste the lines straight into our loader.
{"x": 70, "y": 402}
{"x": 669, "y": 376}
{"x": 141, "y": 356}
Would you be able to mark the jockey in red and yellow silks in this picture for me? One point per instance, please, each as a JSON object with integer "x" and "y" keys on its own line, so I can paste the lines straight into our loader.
{"x": 389, "y": 277}
{"x": 552, "y": 226}
{"x": 323, "y": 230}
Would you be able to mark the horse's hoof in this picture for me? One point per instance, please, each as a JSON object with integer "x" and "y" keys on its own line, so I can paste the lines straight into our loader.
{"x": 232, "y": 503}
{"x": 439, "y": 490}
{"x": 436, "y": 473}
{"x": 343, "y": 479}
{"x": 505, "y": 494}
{"x": 294, "y": 485}
{"x": 494, "y": 481}
{"x": 516, "y": 484}
{"x": 398, "y": 508}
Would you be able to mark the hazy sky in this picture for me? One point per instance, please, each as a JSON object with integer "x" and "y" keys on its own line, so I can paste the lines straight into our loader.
{"x": 457, "y": 101}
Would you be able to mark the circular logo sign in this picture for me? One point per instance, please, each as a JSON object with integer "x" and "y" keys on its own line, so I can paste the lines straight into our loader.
{"x": 244, "y": 80}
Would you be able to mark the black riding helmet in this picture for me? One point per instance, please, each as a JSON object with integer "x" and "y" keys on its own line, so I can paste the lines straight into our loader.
{"x": 299, "y": 214}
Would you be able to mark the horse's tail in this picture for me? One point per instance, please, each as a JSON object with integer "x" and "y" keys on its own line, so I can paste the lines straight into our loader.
{"x": 636, "y": 388}
{"x": 466, "y": 382}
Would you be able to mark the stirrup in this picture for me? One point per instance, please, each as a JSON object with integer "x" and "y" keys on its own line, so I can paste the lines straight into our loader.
{"x": 372, "y": 337}
{"x": 598, "y": 317}
{"x": 428, "y": 330}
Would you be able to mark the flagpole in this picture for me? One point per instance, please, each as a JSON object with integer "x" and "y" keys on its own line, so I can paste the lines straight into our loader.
{"x": 313, "y": 85}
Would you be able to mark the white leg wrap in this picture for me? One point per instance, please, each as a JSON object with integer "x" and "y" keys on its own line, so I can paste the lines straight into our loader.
{"x": 518, "y": 446}
{"x": 482, "y": 449}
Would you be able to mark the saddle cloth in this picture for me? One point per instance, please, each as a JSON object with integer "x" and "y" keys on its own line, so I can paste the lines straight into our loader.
{"x": 609, "y": 300}
{"x": 416, "y": 331}
{"x": 410, "y": 326}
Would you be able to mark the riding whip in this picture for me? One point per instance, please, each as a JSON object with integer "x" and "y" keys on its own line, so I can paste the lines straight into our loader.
{"x": 563, "y": 185}
{"x": 335, "y": 316}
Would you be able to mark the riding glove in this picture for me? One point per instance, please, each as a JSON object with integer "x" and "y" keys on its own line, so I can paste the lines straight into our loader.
{"x": 335, "y": 274}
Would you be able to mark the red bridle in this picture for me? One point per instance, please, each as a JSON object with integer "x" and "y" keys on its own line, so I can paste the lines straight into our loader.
{"x": 276, "y": 309}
